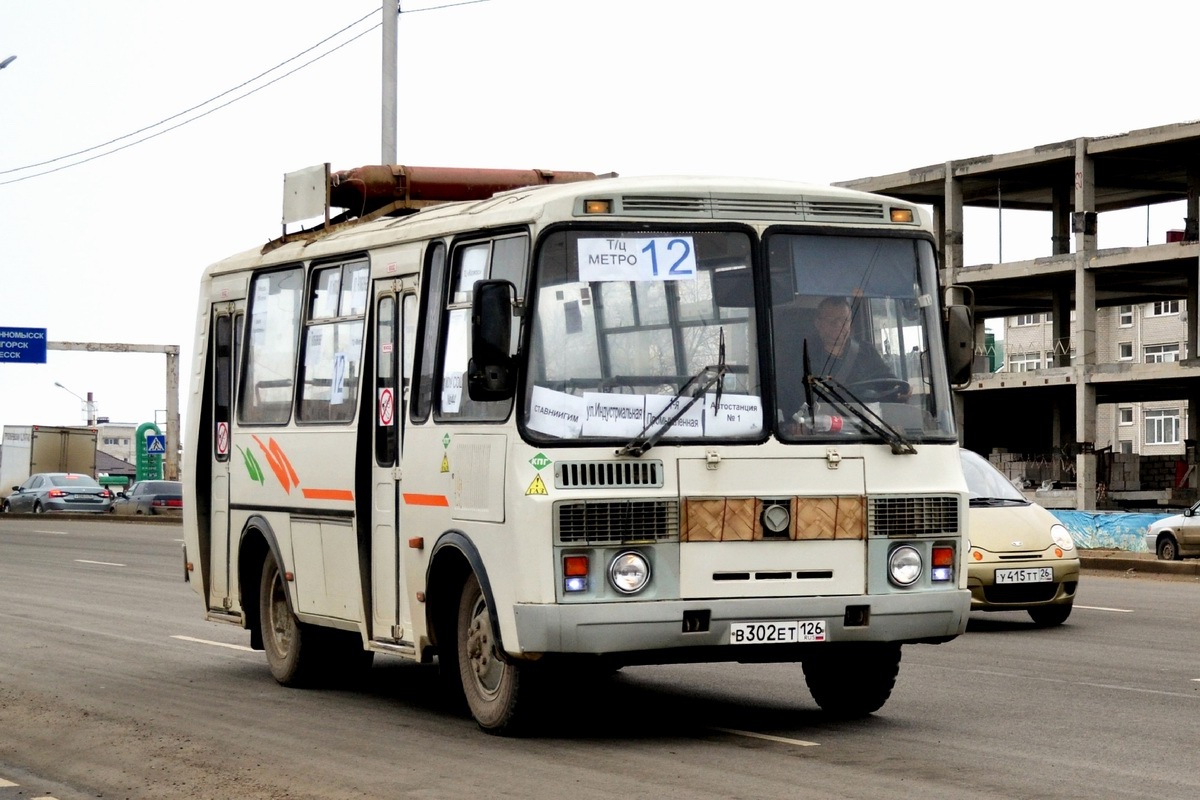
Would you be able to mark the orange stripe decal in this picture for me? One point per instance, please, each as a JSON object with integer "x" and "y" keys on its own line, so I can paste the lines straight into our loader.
{"x": 328, "y": 494}
{"x": 426, "y": 500}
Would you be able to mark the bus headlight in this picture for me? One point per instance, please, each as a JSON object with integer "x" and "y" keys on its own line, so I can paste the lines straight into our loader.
{"x": 904, "y": 566}
{"x": 629, "y": 572}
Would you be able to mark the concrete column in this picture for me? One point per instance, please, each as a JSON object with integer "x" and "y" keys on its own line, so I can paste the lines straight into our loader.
{"x": 1191, "y": 223}
{"x": 1061, "y": 329}
{"x": 952, "y": 238}
{"x": 1060, "y": 239}
{"x": 1083, "y": 225}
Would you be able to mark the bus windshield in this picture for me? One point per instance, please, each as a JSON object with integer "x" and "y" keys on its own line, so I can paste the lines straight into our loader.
{"x": 856, "y": 332}
{"x": 634, "y": 329}
{"x": 654, "y": 335}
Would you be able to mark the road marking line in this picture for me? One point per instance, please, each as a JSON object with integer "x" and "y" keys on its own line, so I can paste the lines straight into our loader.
{"x": 44, "y": 797}
{"x": 54, "y": 533}
{"x": 215, "y": 644}
{"x": 101, "y": 563}
{"x": 1102, "y": 608}
{"x": 4, "y": 783}
{"x": 768, "y": 737}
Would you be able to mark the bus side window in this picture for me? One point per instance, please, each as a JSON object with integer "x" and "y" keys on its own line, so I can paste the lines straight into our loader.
{"x": 502, "y": 257}
{"x": 433, "y": 285}
{"x": 386, "y": 399}
{"x": 269, "y": 362}
{"x": 333, "y": 338}
{"x": 222, "y": 378}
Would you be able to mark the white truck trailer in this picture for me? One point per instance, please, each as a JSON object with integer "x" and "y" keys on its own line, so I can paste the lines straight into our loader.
{"x": 29, "y": 449}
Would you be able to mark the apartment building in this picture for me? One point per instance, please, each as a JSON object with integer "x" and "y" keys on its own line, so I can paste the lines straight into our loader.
{"x": 1151, "y": 333}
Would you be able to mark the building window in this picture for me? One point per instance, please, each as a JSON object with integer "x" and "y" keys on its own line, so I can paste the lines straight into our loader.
{"x": 1126, "y": 446}
{"x": 1125, "y": 316}
{"x": 1023, "y": 320}
{"x": 1162, "y": 308}
{"x": 1158, "y": 353}
{"x": 1125, "y": 351}
{"x": 1024, "y": 362}
{"x": 1162, "y": 426}
{"x": 1125, "y": 415}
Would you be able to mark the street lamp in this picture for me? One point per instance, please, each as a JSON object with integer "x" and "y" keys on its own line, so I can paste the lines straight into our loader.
{"x": 7, "y": 61}
{"x": 91, "y": 406}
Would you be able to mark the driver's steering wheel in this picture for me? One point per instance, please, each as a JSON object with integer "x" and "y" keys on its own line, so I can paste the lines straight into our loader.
{"x": 874, "y": 390}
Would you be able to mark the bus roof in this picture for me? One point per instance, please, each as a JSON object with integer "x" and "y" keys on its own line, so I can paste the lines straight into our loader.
{"x": 668, "y": 198}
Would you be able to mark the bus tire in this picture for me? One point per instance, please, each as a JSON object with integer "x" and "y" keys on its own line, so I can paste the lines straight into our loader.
{"x": 292, "y": 647}
{"x": 493, "y": 687}
{"x": 854, "y": 682}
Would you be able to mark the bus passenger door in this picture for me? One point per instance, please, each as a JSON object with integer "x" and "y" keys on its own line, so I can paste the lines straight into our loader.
{"x": 226, "y": 340}
{"x": 395, "y": 323}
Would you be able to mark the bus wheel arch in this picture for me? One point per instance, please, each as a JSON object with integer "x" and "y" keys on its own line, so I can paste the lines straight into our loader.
{"x": 257, "y": 541}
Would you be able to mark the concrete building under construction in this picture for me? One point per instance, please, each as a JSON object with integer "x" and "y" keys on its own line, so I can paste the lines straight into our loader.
{"x": 1051, "y": 413}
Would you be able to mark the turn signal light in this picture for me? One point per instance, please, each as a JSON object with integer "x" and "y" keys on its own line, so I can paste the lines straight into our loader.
{"x": 902, "y": 214}
{"x": 943, "y": 556}
{"x": 597, "y": 206}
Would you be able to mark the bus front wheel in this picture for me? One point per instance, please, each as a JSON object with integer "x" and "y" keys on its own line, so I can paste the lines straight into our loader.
{"x": 493, "y": 687}
{"x": 853, "y": 682}
{"x": 289, "y": 644}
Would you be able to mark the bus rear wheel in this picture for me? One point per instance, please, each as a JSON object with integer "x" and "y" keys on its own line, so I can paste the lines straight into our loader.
{"x": 853, "y": 682}
{"x": 496, "y": 690}
{"x": 291, "y": 646}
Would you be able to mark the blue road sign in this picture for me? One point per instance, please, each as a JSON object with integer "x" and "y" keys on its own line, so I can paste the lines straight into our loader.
{"x": 156, "y": 445}
{"x": 22, "y": 345}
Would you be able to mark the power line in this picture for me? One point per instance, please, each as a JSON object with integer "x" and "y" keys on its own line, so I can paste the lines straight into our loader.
{"x": 214, "y": 98}
{"x": 198, "y": 105}
{"x": 193, "y": 108}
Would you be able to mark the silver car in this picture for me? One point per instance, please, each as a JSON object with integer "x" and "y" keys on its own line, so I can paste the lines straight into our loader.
{"x": 58, "y": 491}
{"x": 1176, "y": 536}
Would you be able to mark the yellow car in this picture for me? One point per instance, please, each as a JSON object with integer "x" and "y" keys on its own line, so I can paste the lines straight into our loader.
{"x": 1021, "y": 557}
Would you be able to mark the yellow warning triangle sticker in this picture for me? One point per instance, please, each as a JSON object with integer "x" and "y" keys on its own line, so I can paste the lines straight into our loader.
{"x": 537, "y": 487}
{"x": 445, "y": 463}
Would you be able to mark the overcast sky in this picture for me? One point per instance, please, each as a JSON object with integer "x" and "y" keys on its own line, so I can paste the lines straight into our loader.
{"x": 111, "y": 250}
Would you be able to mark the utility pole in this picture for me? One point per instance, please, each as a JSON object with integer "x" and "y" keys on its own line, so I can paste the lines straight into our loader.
{"x": 391, "y": 22}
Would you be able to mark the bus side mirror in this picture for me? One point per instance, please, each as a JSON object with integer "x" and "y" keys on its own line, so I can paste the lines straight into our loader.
{"x": 960, "y": 342}
{"x": 490, "y": 374}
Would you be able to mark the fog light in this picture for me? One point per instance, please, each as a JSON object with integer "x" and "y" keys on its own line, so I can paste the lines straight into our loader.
{"x": 904, "y": 566}
{"x": 629, "y": 572}
{"x": 575, "y": 585}
{"x": 941, "y": 574}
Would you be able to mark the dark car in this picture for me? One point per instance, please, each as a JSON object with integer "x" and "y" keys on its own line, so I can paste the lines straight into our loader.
{"x": 151, "y": 498}
{"x": 58, "y": 491}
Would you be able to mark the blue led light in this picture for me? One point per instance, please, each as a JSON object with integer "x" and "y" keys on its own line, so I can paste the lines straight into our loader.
{"x": 577, "y": 584}
{"x": 942, "y": 574}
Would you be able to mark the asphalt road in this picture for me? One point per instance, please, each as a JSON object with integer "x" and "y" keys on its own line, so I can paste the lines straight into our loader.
{"x": 113, "y": 686}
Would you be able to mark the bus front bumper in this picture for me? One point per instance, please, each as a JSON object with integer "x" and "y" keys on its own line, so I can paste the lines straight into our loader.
{"x": 672, "y": 625}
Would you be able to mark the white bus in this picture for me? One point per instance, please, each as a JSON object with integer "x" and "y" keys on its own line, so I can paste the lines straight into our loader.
{"x": 588, "y": 424}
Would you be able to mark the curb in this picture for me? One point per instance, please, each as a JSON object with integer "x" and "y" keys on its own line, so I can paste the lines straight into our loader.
{"x": 1133, "y": 565}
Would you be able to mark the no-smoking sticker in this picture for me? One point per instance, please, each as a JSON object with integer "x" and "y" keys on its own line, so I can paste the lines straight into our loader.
{"x": 387, "y": 407}
{"x": 222, "y": 438}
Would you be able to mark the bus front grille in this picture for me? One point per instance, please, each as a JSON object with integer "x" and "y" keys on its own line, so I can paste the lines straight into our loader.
{"x": 608, "y": 474}
{"x": 912, "y": 516}
{"x": 615, "y": 521}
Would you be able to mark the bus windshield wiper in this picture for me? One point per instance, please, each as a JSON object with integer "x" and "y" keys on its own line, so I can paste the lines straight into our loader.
{"x": 847, "y": 404}
{"x": 695, "y": 388}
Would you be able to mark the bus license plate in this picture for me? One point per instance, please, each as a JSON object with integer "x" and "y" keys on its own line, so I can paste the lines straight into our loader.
{"x": 1031, "y": 575}
{"x": 788, "y": 632}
